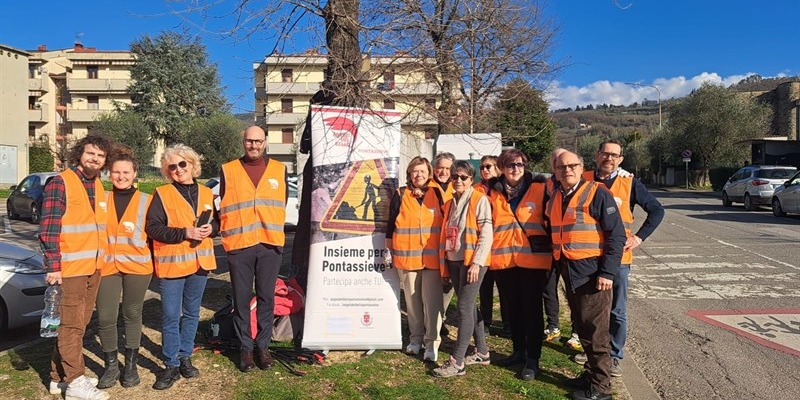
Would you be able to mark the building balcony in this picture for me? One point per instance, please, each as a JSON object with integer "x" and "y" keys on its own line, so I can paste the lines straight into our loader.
{"x": 74, "y": 115}
{"x": 408, "y": 89}
{"x": 286, "y": 119}
{"x": 97, "y": 85}
{"x": 291, "y": 88}
{"x": 39, "y": 84}
{"x": 40, "y": 114}
{"x": 281, "y": 149}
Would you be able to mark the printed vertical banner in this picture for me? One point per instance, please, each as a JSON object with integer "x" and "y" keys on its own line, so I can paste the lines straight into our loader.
{"x": 353, "y": 298}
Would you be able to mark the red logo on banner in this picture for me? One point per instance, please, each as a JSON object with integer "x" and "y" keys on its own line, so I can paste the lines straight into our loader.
{"x": 344, "y": 130}
{"x": 366, "y": 320}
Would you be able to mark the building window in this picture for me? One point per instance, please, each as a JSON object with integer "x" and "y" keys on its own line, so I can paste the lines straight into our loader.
{"x": 287, "y": 135}
{"x": 287, "y": 106}
{"x": 388, "y": 104}
{"x": 31, "y": 132}
{"x": 430, "y": 103}
{"x": 388, "y": 81}
{"x": 94, "y": 102}
{"x": 286, "y": 76}
{"x": 91, "y": 71}
{"x": 31, "y": 71}
{"x": 31, "y": 102}
{"x": 429, "y": 133}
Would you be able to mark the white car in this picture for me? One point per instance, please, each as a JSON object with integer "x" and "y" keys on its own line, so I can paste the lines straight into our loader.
{"x": 754, "y": 184}
{"x": 786, "y": 198}
{"x": 292, "y": 203}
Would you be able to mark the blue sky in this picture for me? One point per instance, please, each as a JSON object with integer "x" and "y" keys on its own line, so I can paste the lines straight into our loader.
{"x": 672, "y": 44}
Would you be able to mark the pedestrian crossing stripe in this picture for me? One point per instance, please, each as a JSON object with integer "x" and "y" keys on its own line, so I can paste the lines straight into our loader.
{"x": 778, "y": 329}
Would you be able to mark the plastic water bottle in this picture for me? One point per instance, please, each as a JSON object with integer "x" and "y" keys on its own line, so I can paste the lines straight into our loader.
{"x": 51, "y": 315}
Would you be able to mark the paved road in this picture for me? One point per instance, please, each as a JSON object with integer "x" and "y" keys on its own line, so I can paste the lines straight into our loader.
{"x": 715, "y": 302}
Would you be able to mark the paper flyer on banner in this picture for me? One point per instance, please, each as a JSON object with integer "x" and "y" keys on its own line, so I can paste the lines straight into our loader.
{"x": 353, "y": 298}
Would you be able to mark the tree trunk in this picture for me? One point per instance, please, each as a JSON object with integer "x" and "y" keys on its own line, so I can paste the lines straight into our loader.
{"x": 344, "y": 52}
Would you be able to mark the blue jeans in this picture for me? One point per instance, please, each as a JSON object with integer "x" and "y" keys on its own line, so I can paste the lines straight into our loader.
{"x": 180, "y": 314}
{"x": 618, "y": 326}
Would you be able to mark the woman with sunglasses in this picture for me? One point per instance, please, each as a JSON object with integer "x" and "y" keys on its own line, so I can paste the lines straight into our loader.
{"x": 521, "y": 256}
{"x": 465, "y": 247}
{"x": 412, "y": 239}
{"x": 127, "y": 271}
{"x": 179, "y": 222}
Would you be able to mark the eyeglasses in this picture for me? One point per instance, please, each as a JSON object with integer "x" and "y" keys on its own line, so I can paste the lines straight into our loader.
{"x": 564, "y": 168}
{"x": 612, "y": 156}
{"x": 487, "y": 166}
{"x": 254, "y": 141}
{"x": 173, "y": 167}
{"x": 518, "y": 165}
{"x": 463, "y": 178}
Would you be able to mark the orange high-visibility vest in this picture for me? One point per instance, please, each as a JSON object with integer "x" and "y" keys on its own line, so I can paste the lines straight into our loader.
{"x": 249, "y": 214}
{"x": 512, "y": 246}
{"x": 621, "y": 190}
{"x": 576, "y": 234}
{"x": 82, "y": 239}
{"x": 471, "y": 232}
{"x": 415, "y": 242}
{"x": 180, "y": 259}
{"x": 127, "y": 242}
{"x": 480, "y": 187}
{"x": 447, "y": 191}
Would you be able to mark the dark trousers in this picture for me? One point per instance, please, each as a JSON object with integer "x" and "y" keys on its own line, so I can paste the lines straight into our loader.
{"x": 132, "y": 288}
{"x": 259, "y": 264}
{"x": 521, "y": 290}
{"x": 550, "y": 297}
{"x": 487, "y": 301}
{"x": 591, "y": 312}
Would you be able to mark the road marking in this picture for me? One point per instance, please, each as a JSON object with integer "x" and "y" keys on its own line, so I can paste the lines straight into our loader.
{"x": 757, "y": 254}
{"x": 778, "y": 329}
{"x": 7, "y": 224}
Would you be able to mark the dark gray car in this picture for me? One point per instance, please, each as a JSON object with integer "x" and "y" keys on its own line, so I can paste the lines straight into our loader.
{"x": 25, "y": 200}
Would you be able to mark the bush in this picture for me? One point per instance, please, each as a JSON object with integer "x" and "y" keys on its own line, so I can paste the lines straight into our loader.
{"x": 40, "y": 158}
{"x": 720, "y": 175}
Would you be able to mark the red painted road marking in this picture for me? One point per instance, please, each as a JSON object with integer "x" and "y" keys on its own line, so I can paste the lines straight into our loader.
{"x": 778, "y": 329}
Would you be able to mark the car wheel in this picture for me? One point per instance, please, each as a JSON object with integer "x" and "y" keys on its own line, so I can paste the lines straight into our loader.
{"x": 726, "y": 202}
{"x": 776, "y": 208}
{"x": 10, "y": 211}
{"x": 35, "y": 217}
{"x": 748, "y": 203}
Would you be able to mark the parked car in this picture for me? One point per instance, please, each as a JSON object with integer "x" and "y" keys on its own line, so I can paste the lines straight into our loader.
{"x": 22, "y": 286}
{"x": 786, "y": 198}
{"x": 754, "y": 185}
{"x": 292, "y": 205}
{"x": 26, "y": 198}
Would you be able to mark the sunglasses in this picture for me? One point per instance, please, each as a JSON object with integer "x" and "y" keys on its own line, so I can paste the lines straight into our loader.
{"x": 518, "y": 165}
{"x": 463, "y": 178}
{"x": 173, "y": 167}
{"x": 487, "y": 166}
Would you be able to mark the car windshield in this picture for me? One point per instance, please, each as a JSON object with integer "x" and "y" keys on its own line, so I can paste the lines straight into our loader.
{"x": 782, "y": 173}
{"x": 211, "y": 183}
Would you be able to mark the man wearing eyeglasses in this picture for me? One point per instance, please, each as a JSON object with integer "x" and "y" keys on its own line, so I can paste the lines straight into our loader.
{"x": 627, "y": 192}
{"x": 253, "y": 193}
{"x": 441, "y": 176}
{"x": 588, "y": 240}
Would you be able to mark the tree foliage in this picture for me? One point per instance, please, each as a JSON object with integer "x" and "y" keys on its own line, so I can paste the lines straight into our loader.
{"x": 216, "y": 138}
{"x": 524, "y": 121}
{"x": 40, "y": 157}
{"x": 172, "y": 81}
{"x": 128, "y": 127}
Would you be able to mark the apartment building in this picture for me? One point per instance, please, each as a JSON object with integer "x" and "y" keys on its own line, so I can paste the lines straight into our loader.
{"x": 70, "y": 88}
{"x": 284, "y": 84}
{"x": 13, "y": 118}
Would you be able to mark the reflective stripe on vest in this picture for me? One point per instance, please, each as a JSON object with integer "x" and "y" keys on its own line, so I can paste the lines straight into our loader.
{"x": 249, "y": 214}
{"x": 82, "y": 237}
{"x": 621, "y": 190}
{"x": 127, "y": 242}
{"x": 511, "y": 246}
{"x": 415, "y": 242}
{"x": 181, "y": 259}
{"x": 576, "y": 234}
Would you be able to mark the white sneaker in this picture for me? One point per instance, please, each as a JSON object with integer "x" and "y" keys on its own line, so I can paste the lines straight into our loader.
{"x": 60, "y": 387}
{"x": 83, "y": 389}
{"x": 431, "y": 355}
{"x": 413, "y": 348}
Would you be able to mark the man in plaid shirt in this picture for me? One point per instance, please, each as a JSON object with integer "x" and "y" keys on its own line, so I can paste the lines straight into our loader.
{"x": 72, "y": 237}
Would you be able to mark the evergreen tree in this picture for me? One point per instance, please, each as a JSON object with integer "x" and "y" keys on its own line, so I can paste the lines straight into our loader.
{"x": 523, "y": 119}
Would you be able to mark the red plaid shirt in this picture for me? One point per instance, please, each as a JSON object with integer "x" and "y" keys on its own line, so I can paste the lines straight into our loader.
{"x": 53, "y": 207}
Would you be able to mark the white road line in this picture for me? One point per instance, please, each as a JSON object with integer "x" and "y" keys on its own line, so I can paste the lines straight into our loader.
{"x": 7, "y": 224}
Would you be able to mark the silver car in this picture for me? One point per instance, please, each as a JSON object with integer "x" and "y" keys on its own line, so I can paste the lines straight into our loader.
{"x": 753, "y": 185}
{"x": 786, "y": 198}
{"x": 22, "y": 286}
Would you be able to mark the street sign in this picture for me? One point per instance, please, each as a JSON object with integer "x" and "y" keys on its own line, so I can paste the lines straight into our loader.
{"x": 687, "y": 159}
{"x": 686, "y": 154}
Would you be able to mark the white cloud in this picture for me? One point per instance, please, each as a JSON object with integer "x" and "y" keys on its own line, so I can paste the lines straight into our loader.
{"x": 621, "y": 93}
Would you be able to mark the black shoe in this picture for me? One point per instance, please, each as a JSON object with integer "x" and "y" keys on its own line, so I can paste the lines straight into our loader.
{"x": 246, "y": 363}
{"x": 590, "y": 394}
{"x": 581, "y": 382}
{"x": 130, "y": 374}
{"x": 265, "y": 360}
{"x": 188, "y": 370}
{"x": 111, "y": 372}
{"x": 530, "y": 370}
{"x": 166, "y": 378}
{"x": 515, "y": 358}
